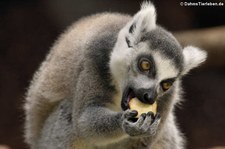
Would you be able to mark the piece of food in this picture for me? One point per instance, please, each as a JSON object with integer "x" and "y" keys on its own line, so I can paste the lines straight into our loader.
{"x": 136, "y": 104}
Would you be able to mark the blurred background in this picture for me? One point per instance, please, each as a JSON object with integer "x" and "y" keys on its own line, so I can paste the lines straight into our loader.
{"x": 28, "y": 28}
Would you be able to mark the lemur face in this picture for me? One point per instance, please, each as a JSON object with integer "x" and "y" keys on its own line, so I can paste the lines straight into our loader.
{"x": 156, "y": 62}
{"x": 147, "y": 60}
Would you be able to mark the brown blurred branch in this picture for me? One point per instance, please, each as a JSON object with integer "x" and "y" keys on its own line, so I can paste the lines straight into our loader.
{"x": 212, "y": 40}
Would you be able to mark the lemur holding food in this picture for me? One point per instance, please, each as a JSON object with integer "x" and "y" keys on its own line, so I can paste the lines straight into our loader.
{"x": 111, "y": 81}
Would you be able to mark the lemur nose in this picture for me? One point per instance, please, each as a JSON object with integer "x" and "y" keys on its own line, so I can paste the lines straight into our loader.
{"x": 149, "y": 98}
{"x": 146, "y": 95}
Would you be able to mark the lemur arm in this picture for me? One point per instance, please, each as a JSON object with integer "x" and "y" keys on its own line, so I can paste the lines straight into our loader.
{"x": 94, "y": 120}
{"x": 100, "y": 125}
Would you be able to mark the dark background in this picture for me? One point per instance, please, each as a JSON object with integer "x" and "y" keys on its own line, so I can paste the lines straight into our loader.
{"x": 29, "y": 27}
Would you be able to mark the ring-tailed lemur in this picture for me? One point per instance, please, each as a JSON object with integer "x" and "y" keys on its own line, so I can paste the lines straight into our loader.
{"x": 79, "y": 98}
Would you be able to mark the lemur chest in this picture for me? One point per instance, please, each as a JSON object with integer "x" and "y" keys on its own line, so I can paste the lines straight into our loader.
{"x": 127, "y": 144}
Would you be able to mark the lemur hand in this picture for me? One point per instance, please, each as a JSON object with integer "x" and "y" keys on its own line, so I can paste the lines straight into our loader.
{"x": 145, "y": 125}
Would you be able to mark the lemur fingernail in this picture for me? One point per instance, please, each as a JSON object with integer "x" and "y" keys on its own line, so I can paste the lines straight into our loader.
{"x": 150, "y": 113}
{"x": 134, "y": 113}
{"x": 143, "y": 115}
{"x": 157, "y": 115}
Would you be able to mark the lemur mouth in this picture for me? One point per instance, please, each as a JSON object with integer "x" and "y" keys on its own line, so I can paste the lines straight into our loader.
{"x": 130, "y": 101}
{"x": 128, "y": 94}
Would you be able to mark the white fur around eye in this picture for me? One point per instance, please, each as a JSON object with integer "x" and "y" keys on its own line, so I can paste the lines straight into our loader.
{"x": 193, "y": 57}
{"x": 164, "y": 67}
{"x": 144, "y": 20}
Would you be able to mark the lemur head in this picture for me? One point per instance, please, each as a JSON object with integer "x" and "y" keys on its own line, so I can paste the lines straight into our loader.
{"x": 147, "y": 61}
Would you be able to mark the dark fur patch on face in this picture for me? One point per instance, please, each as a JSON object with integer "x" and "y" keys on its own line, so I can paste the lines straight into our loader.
{"x": 128, "y": 42}
{"x": 164, "y": 42}
{"x": 132, "y": 28}
{"x": 152, "y": 71}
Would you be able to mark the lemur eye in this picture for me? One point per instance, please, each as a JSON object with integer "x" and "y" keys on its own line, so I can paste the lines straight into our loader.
{"x": 144, "y": 65}
{"x": 166, "y": 85}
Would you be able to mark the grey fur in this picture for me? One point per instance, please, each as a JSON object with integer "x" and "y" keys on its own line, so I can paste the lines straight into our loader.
{"x": 71, "y": 102}
{"x": 162, "y": 40}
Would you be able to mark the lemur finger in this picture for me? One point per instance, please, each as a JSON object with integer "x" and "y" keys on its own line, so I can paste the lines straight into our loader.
{"x": 141, "y": 119}
{"x": 154, "y": 126}
{"x": 157, "y": 116}
{"x": 130, "y": 113}
{"x": 151, "y": 114}
{"x": 133, "y": 113}
{"x": 148, "y": 120}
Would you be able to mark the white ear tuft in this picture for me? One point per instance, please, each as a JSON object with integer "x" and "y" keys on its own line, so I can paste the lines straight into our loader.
{"x": 193, "y": 57}
{"x": 147, "y": 15}
{"x": 143, "y": 21}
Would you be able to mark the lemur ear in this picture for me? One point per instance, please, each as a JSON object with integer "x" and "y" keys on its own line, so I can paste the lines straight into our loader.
{"x": 143, "y": 21}
{"x": 193, "y": 57}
